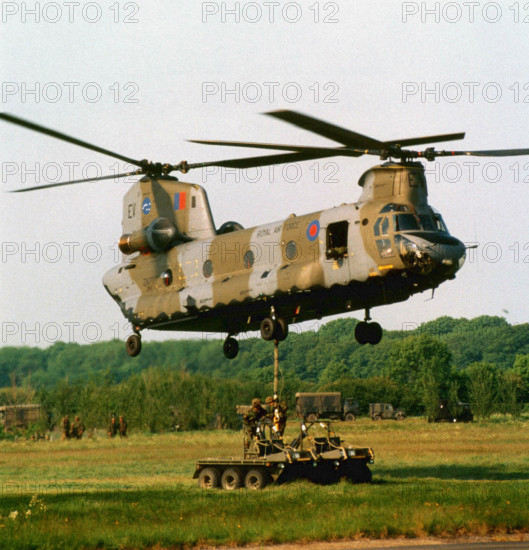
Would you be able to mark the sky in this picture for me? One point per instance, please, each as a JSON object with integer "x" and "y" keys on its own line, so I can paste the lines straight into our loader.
{"x": 142, "y": 78}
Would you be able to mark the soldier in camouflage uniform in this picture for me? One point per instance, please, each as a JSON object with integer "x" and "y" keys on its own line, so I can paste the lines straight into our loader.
{"x": 77, "y": 429}
{"x": 251, "y": 420}
{"x": 112, "y": 427}
{"x": 66, "y": 428}
{"x": 277, "y": 412}
{"x": 122, "y": 427}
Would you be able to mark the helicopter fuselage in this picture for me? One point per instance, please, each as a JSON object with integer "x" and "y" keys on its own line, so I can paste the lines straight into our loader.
{"x": 378, "y": 251}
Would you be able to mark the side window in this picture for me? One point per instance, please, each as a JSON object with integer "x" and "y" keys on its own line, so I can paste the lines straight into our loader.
{"x": 337, "y": 240}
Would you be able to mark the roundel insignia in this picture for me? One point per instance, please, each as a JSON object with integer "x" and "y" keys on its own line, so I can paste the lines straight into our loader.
{"x": 313, "y": 230}
{"x": 146, "y": 205}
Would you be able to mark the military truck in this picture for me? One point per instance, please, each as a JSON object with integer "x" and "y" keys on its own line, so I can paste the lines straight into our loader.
{"x": 317, "y": 454}
{"x": 378, "y": 411}
{"x": 446, "y": 413}
{"x": 20, "y": 416}
{"x": 311, "y": 406}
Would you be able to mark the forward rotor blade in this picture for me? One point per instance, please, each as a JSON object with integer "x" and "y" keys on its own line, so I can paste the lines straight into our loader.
{"x": 63, "y": 137}
{"x": 490, "y": 153}
{"x": 267, "y": 160}
{"x": 426, "y": 139}
{"x": 113, "y": 176}
{"x": 275, "y": 146}
{"x": 325, "y": 129}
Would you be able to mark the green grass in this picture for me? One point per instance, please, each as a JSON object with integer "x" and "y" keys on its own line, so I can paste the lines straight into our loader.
{"x": 428, "y": 479}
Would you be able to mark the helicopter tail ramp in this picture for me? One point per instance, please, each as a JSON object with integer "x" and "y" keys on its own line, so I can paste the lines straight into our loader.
{"x": 184, "y": 204}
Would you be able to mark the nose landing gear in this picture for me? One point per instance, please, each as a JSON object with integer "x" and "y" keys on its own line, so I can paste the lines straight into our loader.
{"x": 368, "y": 333}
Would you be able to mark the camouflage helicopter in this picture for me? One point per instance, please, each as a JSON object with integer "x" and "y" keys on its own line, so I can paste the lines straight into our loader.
{"x": 179, "y": 272}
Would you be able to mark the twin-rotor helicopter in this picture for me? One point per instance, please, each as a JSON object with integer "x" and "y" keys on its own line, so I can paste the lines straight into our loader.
{"x": 179, "y": 272}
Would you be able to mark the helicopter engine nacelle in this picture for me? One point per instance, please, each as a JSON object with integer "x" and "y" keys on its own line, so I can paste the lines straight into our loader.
{"x": 158, "y": 236}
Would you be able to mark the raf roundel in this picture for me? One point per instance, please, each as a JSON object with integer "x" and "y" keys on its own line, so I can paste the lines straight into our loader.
{"x": 146, "y": 205}
{"x": 313, "y": 230}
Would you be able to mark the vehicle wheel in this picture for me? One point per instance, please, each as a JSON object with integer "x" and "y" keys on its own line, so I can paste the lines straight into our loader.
{"x": 374, "y": 333}
{"x": 231, "y": 479}
{"x": 133, "y": 345}
{"x": 311, "y": 417}
{"x": 350, "y": 417}
{"x": 230, "y": 348}
{"x": 256, "y": 479}
{"x": 209, "y": 478}
{"x": 400, "y": 417}
{"x": 377, "y": 417}
{"x": 268, "y": 328}
{"x": 281, "y": 331}
{"x": 360, "y": 473}
{"x": 324, "y": 474}
{"x": 361, "y": 331}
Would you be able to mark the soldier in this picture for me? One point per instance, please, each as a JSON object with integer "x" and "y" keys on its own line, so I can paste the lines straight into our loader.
{"x": 278, "y": 414}
{"x": 78, "y": 428}
{"x": 112, "y": 427}
{"x": 65, "y": 428}
{"x": 250, "y": 421}
{"x": 122, "y": 427}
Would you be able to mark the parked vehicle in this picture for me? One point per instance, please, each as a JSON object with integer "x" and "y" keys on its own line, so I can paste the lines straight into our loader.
{"x": 378, "y": 411}
{"x": 311, "y": 406}
{"x": 458, "y": 412}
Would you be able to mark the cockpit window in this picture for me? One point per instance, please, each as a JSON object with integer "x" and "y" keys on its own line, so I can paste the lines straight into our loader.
{"x": 439, "y": 223}
{"x": 405, "y": 222}
{"x": 427, "y": 222}
{"x": 392, "y": 207}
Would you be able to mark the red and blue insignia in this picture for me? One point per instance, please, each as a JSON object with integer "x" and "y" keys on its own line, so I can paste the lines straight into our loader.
{"x": 313, "y": 230}
{"x": 180, "y": 201}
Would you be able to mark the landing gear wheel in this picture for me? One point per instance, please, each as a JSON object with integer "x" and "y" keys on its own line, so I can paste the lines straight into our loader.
{"x": 268, "y": 328}
{"x": 281, "y": 331}
{"x": 375, "y": 333}
{"x": 361, "y": 332}
{"x": 209, "y": 478}
{"x": 133, "y": 345}
{"x": 230, "y": 348}
{"x": 368, "y": 333}
{"x": 231, "y": 479}
{"x": 256, "y": 479}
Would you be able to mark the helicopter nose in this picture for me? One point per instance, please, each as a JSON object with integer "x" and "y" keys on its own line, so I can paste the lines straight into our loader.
{"x": 447, "y": 251}
{"x": 424, "y": 253}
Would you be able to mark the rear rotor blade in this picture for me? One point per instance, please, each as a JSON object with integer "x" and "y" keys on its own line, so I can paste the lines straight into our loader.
{"x": 63, "y": 137}
{"x": 425, "y": 139}
{"x": 113, "y": 176}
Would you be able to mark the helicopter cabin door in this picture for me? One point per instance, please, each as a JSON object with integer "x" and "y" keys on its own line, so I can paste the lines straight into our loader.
{"x": 336, "y": 259}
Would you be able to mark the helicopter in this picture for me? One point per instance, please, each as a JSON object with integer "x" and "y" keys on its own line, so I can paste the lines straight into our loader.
{"x": 181, "y": 273}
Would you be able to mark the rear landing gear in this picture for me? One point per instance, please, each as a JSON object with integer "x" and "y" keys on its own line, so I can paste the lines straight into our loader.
{"x": 274, "y": 328}
{"x": 230, "y": 347}
{"x": 133, "y": 344}
{"x": 368, "y": 333}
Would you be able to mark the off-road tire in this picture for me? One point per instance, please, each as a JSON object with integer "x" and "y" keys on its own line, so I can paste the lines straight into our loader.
{"x": 256, "y": 479}
{"x": 349, "y": 417}
{"x": 209, "y": 478}
{"x": 232, "y": 479}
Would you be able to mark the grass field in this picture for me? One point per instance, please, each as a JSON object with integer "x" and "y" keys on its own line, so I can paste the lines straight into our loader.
{"x": 428, "y": 479}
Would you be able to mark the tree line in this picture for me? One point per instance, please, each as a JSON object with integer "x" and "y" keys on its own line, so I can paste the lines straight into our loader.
{"x": 188, "y": 383}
